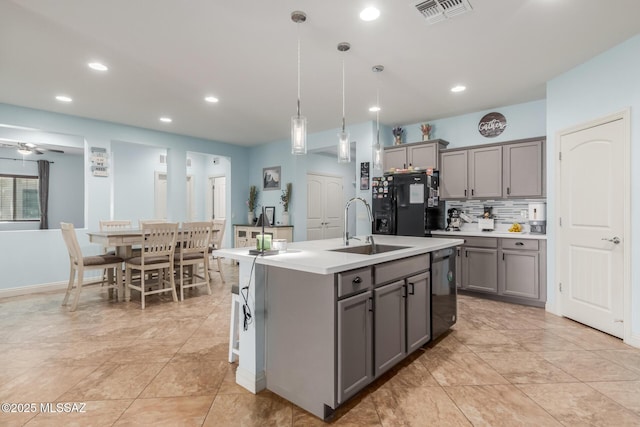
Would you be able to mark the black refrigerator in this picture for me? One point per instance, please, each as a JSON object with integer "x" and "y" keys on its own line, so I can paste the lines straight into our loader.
{"x": 418, "y": 208}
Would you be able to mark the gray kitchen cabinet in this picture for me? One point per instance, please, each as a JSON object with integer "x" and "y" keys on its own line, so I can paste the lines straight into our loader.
{"x": 485, "y": 172}
{"x": 480, "y": 264}
{"x": 418, "y": 311}
{"x": 523, "y": 172}
{"x": 459, "y": 250}
{"x": 418, "y": 154}
{"x": 355, "y": 343}
{"x": 521, "y": 269}
{"x": 389, "y": 325}
{"x": 453, "y": 175}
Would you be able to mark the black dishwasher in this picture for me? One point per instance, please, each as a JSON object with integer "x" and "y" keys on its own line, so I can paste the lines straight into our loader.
{"x": 444, "y": 307}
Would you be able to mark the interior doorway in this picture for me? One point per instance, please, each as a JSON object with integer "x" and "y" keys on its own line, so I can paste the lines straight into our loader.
{"x": 325, "y": 204}
{"x": 160, "y": 195}
{"x": 216, "y": 197}
{"x": 593, "y": 202}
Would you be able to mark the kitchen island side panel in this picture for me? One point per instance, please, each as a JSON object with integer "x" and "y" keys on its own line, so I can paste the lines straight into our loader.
{"x": 300, "y": 338}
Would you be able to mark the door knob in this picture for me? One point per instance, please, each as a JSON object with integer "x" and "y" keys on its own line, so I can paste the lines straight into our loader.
{"x": 615, "y": 240}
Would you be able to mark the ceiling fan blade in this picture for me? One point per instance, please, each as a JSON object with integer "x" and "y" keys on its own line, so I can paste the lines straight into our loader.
{"x": 37, "y": 151}
{"x": 55, "y": 151}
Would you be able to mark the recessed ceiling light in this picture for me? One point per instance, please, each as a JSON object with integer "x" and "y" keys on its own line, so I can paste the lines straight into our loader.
{"x": 166, "y": 119}
{"x": 98, "y": 66}
{"x": 211, "y": 99}
{"x": 63, "y": 98}
{"x": 458, "y": 88}
{"x": 374, "y": 109}
{"x": 369, "y": 14}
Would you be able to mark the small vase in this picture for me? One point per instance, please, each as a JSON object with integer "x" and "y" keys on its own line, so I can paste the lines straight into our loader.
{"x": 425, "y": 137}
{"x": 285, "y": 218}
{"x": 251, "y": 217}
{"x": 397, "y": 140}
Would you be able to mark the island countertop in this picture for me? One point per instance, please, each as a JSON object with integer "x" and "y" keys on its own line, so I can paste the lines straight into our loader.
{"x": 316, "y": 256}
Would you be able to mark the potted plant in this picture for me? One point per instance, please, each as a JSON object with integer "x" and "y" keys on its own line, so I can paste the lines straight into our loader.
{"x": 426, "y": 131}
{"x": 251, "y": 203}
{"x": 397, "y": 135}
{"x": 285, "y": 199}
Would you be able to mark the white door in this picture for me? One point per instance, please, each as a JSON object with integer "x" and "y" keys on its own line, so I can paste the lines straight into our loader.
{"x": 160, "y": 195}
{"x": 216, "y": 197}
{"x": 325, "y": 207}
{"x": 592, "y": 235}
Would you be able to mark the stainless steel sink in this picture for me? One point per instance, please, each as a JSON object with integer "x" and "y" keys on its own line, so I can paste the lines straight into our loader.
{"x": 369, "y": 250}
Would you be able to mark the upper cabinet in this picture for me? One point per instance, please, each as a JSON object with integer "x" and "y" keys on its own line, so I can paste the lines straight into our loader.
{"x": 509, "y": 170}
{"x": 523, "y": 172}
{"x": 420, "y": 155}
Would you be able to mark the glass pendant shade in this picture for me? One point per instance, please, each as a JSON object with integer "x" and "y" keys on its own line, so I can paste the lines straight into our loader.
{"x": 344, "y": 147}
{"x": 377, "y": 156}
{"x": 298, "y": 135}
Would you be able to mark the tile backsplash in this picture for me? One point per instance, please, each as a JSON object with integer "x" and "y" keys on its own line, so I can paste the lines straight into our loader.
{"x": 504, "y": 211}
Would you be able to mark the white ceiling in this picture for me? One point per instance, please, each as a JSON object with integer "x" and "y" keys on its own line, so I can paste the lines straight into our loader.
{"x": 166, "y": 55}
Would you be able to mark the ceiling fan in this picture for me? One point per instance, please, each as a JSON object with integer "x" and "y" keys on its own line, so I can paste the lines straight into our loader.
{"x": 26, "y": 148}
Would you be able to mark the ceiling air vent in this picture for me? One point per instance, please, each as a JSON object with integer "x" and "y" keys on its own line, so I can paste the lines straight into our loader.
{"x": 439, "y": 10}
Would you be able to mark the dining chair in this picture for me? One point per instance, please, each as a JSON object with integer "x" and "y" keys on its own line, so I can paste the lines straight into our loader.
{"x": 216, "y": 240}
{"x": 78, "y": 264}
{"x": 158, "y": 242}
{"x": 111, "y": 225}
{"x": 193, "y": 251}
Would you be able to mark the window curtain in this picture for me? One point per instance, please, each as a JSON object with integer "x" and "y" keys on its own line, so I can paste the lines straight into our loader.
{"x": 43, "y": 193}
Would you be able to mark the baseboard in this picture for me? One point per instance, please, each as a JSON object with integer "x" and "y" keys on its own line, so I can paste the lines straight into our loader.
{"x": 633, "y": 341}
{"x": 252, "y": 382}
{"x": 33, "y": 289}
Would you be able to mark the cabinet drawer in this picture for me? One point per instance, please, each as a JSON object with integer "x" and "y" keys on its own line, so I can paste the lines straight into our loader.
{"x": 481, "y": 242}
{"x": 353, "y": 281}
{"x": 394, "y": 270}
{"x": 531, "y": 245}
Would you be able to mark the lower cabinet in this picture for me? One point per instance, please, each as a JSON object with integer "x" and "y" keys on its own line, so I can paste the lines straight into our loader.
{"x": 418, "y": 304}
{"x": 390, "y": 325}
{"x": 355, "y": 339}
{"x": 511, "y": 269}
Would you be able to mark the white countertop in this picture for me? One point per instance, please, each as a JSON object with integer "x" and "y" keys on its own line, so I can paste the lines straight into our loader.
{"x": 495, "y": 233}
{"x": 315, "y": 256}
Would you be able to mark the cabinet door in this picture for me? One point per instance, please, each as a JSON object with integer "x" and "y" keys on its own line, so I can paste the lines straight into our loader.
{"x": 423, "y": 156}
{"x": 453, "y": 175}
{"x": 523, "y": 172}
{"x": 519, "y": 274}
{"x": 418, "y": 311}
{"x": 354, "y": 345}
{"x": 389, "y": 325}
{"x": 395, "y": 158}
{"x": 480, "y": 269}
{"x": 485, "y": 172}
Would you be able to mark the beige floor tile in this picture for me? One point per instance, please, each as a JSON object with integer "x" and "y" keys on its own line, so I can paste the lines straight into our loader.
{"x": 541, "y": 340}
{"x": 448, "y": 342}
{"x": 261, "y": 410}
{"x": 577, "y": 404}
{"x": 460, "y": 369}
{"x": 525, "y": 367}
{"x": 626, "y": 393}
{"x": 357, "y": 412}
{"x": 170, "y": 412}
{"x": 147, "y": 351}
{"x": 203, "y": 348}
{"x": 44, "y": 384}
{"x": 417, "y": 407}
{"x": 195, "y": 378}
{"x": 408, "y": 374}
{"x": 114, "y": 381}
{"x": 589, "y": 366}
{"x": 629, "y": 359}
{"x": 484, "y": 341}
{"x": 95, "y": 414}
{"x": 590, "y": 339}
{"x": 499, "y": 405}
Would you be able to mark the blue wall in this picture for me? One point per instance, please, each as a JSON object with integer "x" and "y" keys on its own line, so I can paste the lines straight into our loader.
{"x": 606, "y": 84}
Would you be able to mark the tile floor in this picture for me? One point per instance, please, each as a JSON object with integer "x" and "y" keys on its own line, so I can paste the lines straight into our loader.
{"x": 501, "y": 365}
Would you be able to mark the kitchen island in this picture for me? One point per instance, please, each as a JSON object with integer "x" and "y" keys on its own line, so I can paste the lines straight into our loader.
{"x": 325, "y": 323}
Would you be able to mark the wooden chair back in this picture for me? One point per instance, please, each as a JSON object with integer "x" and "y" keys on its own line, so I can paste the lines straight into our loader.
{"x": 159, "y": 239}
{"x": 71, "y": 240}
{"x": 196, "y": 237}
{"x": 218, "y": 232}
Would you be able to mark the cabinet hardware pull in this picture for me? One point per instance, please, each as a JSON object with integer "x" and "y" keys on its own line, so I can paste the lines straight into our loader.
{"x": 458, "y": 252}
{"x": 370, "y": 304}
{"x": 466, "y": 254}
{"x": 357, "y": 280}
{"x": 503, "y": 256}
{"x": 404, "y": 291}
{"x": 508, "y": 190}
{"x": 413, "y": 288}
{"x": 519, "y": 244}
{"x": 473, "y": 191}
{"x": 465, "y": 193}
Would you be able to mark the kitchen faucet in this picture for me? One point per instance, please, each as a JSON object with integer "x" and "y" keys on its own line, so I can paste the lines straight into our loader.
{"x": 346, "y": 219}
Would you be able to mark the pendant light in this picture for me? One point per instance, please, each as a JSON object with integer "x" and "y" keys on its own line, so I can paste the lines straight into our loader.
{"x": 298, "y": 122}
{"x": 377, "y": 148}
{"x": 344, "y": 147}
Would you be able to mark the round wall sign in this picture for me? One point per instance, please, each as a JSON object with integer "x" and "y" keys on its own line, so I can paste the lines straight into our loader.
{"x": 492, "y": 125}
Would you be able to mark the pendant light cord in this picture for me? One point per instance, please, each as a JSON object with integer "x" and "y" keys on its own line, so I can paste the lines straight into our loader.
{"x": 343, "y": 96}
{"x": 298, "y": 27}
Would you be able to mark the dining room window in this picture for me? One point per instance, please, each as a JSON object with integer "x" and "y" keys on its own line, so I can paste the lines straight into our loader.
{"x": 19, "y": 198}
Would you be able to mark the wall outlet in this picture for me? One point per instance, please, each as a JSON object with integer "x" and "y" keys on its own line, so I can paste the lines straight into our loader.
{"x": 524, "y": 213}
